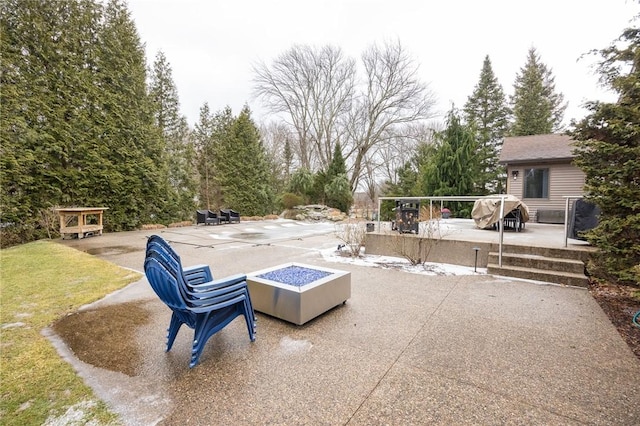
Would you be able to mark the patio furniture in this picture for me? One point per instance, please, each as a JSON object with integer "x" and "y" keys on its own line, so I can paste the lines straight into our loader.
{"x": 207, "y": 217}
{"x": 512, "y": 220}
{"x": 196, "y": 282}
{"x": 486, "y": 212}
{"x": 220, "y": 290}
{"x": 193, "y": 275}
{"x": 81, "y": 221}
{"x": 206, "y": 307}
{"x": 229, "y": 216}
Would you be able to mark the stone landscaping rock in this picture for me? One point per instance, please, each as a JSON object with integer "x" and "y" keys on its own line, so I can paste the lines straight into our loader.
{"x": 315, "y": 212}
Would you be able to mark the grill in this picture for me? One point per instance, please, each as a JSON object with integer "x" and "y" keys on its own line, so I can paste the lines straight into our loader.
{"x": 407, "y": 216}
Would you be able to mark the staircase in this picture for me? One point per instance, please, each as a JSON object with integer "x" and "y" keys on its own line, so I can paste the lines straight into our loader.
{"x": 556, "y": 265}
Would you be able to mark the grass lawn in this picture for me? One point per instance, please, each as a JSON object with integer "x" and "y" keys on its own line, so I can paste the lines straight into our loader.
{"x": 41, "y": 282}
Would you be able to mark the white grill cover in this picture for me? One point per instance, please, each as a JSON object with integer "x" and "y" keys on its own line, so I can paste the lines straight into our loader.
{"x": 486, "y": 211}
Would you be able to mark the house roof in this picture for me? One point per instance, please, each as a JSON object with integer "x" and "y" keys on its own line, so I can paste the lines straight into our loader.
{"x": 551, "y": 147}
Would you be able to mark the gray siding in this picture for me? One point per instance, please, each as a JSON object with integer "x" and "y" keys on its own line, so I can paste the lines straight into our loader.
{"x": 564, "y": 180}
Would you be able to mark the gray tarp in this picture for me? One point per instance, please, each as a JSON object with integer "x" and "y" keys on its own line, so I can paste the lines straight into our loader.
{"x": 486, "y": 211}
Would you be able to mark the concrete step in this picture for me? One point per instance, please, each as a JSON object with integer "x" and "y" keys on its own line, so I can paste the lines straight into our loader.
{"x": 558, "y": 277}
{"x": 538, "y": 262}
{"x": 581, "y": 253}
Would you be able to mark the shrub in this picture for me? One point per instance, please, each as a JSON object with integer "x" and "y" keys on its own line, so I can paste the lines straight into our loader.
{"x": 290, "y": 200}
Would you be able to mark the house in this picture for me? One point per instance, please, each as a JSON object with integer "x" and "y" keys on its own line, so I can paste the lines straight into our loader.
{"x": 540, "y": 171}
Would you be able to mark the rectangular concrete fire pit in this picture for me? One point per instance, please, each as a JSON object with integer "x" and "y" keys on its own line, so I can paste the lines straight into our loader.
{"x": 296, "y": 292}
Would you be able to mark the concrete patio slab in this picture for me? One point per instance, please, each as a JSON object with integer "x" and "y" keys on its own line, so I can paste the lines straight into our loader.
{"x": 404, "y": 349}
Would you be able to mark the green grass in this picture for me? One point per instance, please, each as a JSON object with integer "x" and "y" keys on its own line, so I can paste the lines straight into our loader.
{"x": 39, "y": 283}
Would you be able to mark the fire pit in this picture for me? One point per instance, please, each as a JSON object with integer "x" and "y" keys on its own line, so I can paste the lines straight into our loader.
{"x": 296, "y": 292}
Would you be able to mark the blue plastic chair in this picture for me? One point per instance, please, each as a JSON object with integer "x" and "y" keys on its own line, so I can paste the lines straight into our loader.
{"x": 197, "y": 281}
{"x": 221, "y": 294}
{"x": 206, "y": 314}
{"x": 196, "y": 274}
{"x": 209, "y": 292}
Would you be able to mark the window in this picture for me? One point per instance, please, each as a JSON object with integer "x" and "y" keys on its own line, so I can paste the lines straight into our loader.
{"x": 536, "y": 183}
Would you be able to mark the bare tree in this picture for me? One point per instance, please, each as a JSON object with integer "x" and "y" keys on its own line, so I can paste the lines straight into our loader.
{"x": 277, "y": 141}
{"x": 313, "y": 88}
{"x": 401, "y": 146}
{"x": 393, "y": 96}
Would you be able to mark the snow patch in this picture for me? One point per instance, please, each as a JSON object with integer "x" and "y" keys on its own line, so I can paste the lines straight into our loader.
{"x": 399, "y": 263}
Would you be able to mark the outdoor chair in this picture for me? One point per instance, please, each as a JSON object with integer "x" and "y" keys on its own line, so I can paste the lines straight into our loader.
{"x": 195, "y": 274}
{"x": 229, "y": 216}
{"x": 514, "y": 220}
{"x": 196, "y": 282}
{"x": 207, "y": 217}
{"x": 199, "y": 294}
{"x": 207, "y": 308}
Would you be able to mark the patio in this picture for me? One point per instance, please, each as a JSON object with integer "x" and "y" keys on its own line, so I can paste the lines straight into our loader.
{"x": 466, "y": 349}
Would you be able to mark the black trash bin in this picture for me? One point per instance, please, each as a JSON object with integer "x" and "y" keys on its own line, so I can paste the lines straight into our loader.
{"x": 407, "y": 216}
{"x": 370, "y": 227}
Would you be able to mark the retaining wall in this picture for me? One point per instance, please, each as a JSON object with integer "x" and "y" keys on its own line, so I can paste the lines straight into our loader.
{"x": 453, "y": 252}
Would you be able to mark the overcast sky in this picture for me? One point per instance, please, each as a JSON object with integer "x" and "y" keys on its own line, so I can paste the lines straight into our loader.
{"x": 211, "y": 45}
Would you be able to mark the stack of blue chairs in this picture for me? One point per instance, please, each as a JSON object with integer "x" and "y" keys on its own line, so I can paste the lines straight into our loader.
{"x": 196, "y": 299}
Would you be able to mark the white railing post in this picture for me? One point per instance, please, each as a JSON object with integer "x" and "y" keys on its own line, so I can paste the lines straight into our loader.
{"x": 501, "y": 231}
{"x": 566, "y": 221}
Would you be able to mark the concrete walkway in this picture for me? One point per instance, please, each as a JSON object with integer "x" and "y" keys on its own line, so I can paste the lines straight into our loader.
{"x": 404, "y": 349}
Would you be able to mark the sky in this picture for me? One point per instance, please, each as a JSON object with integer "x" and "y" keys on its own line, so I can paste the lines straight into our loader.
{"x": 212, "y": 45}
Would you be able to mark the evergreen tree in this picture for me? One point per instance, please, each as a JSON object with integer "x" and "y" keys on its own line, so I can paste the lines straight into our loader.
{"x": 338, "y": 193}
{"x": 337, "y": 190}
{"x": 287, "y": 155}
{"x": 301, "y": 183}
{"x": 320, "y": 181}
{"x": 608, "y": 152}
{"x": 408, "y": 175}
{"x": 337, "y": 165}
{"x": 77, "y": 124}
{"x": 487, "y": 110}
{"x": 182, "y": 182}
{"x": 242, "y": 168}
{"x": 136, "y": 187}
{"x": 221, "y": 140}
{"x": 453, "y": 168}
{"x": 47, "y": 98}
{"x": 184, "y": 179}
{"x": 204, "y": 146}
{"x": 537, "y": 107}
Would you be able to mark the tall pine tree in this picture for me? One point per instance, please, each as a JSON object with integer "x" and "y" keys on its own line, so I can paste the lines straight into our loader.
{"x": 181, "y": 170}
{"x": 221, "y": 123}
{"x": 136, "y": 188}
{"x": 487, "y": 110}
{"x": 242, "y": 170}
{"x": 537, "y": 107}
{"x": 204, "y": 146}
{"x": 609, "y": 154}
